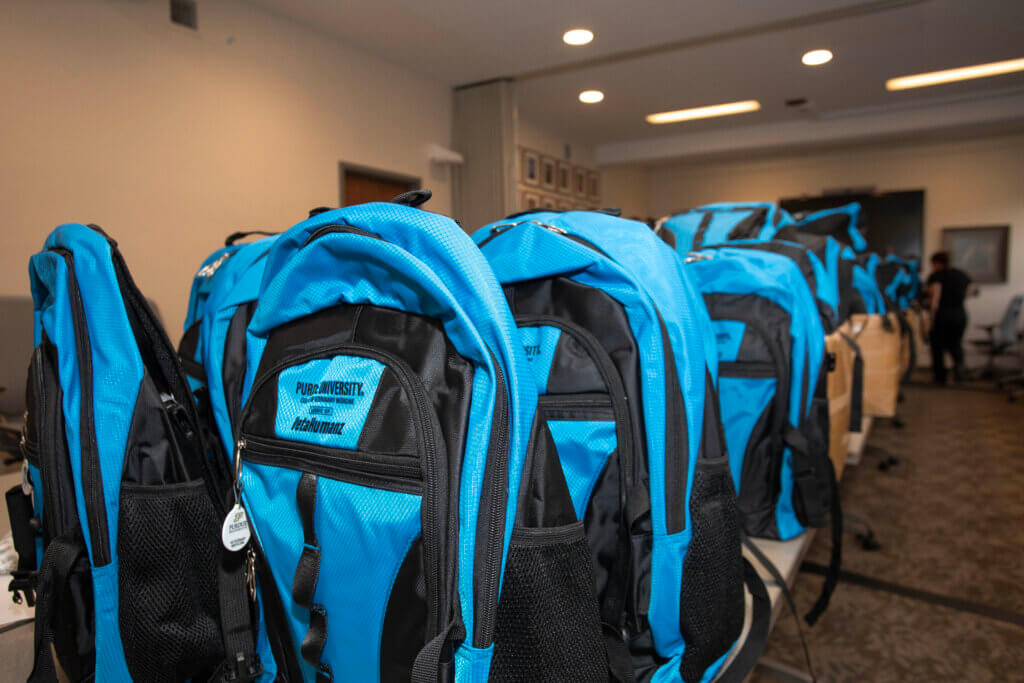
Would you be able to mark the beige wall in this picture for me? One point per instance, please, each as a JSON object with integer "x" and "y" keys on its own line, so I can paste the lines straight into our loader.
{"x": 171, "y": 138}
{"x": 540, "y": 139}
{"x": 973, "y": 182}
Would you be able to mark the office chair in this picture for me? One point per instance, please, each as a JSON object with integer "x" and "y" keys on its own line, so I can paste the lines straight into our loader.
{"x": 15, "y": 352}
{"x": 1002, "y": 337}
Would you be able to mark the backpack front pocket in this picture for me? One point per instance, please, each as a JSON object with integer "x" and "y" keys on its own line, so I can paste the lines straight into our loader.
{"x": 345, "y": 482}
{"x": 746, "y": 394}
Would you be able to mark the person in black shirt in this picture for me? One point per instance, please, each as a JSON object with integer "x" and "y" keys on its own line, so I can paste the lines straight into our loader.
{"x": 947, "y": 289}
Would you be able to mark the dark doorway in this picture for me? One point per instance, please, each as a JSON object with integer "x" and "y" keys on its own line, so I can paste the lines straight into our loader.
{"x": 360, "y": 184}
{"x": 892, "y": 222}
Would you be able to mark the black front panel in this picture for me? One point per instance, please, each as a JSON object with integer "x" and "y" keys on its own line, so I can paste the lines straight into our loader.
{"x": 754, "y": 345}
{"x": 604, "y": 318}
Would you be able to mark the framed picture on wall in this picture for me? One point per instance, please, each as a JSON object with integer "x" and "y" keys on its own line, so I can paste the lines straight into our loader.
{"x": 529, "y": 168}
{"x": 564, "y": 178}
{"x": 579, "y": 181}
{"x": 594, "y": 186}
{"x": 547, "y": 202}
{"x": 548, "y": 169}
{"x": 528, "y": 201}
{"x": 981, "y": 252}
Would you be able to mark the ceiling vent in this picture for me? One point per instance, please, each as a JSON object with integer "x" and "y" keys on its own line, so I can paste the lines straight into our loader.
{"x": 185, "y": 13}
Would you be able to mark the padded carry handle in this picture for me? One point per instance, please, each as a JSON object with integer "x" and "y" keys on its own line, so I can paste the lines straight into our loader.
{"x": 235, "y": 236}
{"x": 413, "y": 198}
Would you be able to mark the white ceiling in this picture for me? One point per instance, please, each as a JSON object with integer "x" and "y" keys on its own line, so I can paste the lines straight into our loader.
{"x": 737, "y": 50}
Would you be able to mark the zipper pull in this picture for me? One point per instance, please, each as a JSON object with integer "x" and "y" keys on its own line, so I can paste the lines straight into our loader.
{"x": 235, "y": 532}
{"x": 239, "y": 447}
{"x": 250, "y": 572}
{"x": 697, "y": 256}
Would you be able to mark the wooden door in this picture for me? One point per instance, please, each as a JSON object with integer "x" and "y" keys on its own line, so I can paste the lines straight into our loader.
{"x": 359, "y": 186}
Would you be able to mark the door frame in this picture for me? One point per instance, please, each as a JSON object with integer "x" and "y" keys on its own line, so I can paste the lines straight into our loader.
{"x": 414, "y": 182}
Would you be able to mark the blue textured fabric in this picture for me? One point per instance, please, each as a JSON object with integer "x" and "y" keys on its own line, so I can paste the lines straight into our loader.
{"x": 364, "y": 536}
{"x": 583, "y": 449}
{"x": 826, "y": 282}
{"x": 326, "y": 401}
{"x": 204, "y": 282}
{"x": 117, "y": 372}
{"x": 747, "y": 398}
{"x": 424, "y": 264}
{"x": 638, "y": 270}
{"x": 539, "y": 344}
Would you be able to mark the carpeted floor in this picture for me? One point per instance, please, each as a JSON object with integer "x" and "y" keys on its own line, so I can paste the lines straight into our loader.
{"x": 950, "y": 519}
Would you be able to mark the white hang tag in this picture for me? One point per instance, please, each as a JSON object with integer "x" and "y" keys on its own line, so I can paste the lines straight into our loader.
{"x": 26, "y": 479}
{"x": 235, "y": 533}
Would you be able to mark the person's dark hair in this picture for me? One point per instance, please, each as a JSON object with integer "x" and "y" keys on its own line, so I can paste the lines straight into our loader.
{"x": 941, "y": 258}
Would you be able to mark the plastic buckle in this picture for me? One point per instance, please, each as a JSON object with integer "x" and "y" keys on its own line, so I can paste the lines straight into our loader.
{"x": 23, "y": 582}
{"x": 243, "y": 668}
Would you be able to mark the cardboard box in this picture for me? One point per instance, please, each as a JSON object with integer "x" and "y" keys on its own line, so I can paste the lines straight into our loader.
{"x": 840, "y": 387}
{"x": 879, "y": 340}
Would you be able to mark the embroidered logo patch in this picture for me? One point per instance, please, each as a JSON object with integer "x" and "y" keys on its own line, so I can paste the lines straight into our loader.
{"x": 326, "y": 401}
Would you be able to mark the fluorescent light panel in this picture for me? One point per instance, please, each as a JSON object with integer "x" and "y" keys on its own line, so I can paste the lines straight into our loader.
{"x": 704, "y": 112}
{"x": 952, "y": 75}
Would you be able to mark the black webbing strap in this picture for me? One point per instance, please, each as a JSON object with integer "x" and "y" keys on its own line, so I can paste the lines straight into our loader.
{"x": 749, "y": 226}
{"x": 187, "y": 353}
{"x": 58, "y": 560}
{"x": 19, "y": 510}
{"x": 745, "y": 659}
{"x": 702, "y": 229}
{"x": 620, "y": 662}
{"x": 427, "y": 666}
{"x": 241, "y": 661}
{"x": 806, "y": 479}
{"x": 306, "y": 574}
{"x": 836, "y": 558}
{"x": 773, "y": 571}
{"x": 856, "y": 386}
{"x": 907, "y": 330}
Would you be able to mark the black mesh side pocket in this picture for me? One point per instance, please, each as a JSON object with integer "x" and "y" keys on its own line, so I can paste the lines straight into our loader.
{"x": 711, "y": 604}
{"x": 168, "y": 547}
{"x": 548, "y": 627}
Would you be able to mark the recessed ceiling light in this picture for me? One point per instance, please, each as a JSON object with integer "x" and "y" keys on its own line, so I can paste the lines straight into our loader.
{"x": 591, "y": 96}
{"x": 816, "y": 57}
{"x": 704, "y": 112}
{"x": 950, "y": 75}
{"x": 577, "y": 36}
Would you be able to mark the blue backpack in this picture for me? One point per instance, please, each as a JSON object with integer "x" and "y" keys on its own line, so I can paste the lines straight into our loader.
{"x": 133, "y": 582}
{"x": 407, "y": 519}
{"x": 842, "y": 223}
{"x": 621, "y": 350}
{"x": 723, "y": 222}
{"x": 213, "y": 347}
{"x": 772, "y": 367}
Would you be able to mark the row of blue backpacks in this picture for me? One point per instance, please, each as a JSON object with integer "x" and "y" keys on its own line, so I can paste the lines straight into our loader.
{"x": 387, "y": 451}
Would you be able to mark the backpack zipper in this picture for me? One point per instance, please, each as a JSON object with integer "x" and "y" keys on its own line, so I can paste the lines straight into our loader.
{"x": 497, "y": 458}
{"x": 92, "y": 482}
